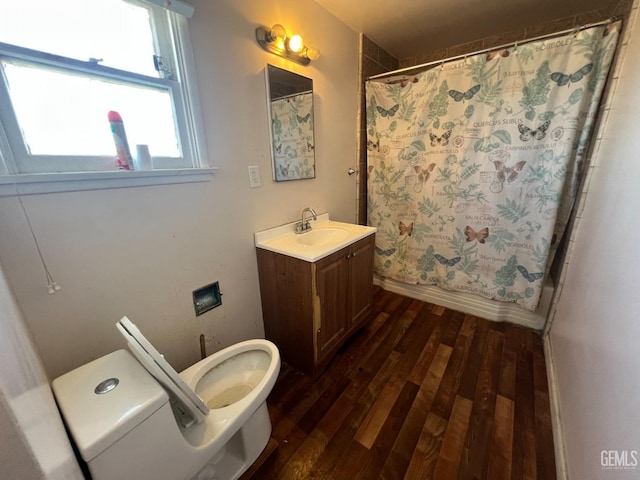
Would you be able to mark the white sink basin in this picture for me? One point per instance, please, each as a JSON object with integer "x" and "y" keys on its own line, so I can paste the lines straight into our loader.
{"x": 325, "y": 238}
{"x": 322, "y": 237}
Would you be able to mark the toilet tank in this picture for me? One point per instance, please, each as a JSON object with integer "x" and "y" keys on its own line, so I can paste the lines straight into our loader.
{"x": 107, "y": 405}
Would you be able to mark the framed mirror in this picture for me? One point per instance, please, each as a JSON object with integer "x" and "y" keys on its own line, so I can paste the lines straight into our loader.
{"x": 290, "y": 105}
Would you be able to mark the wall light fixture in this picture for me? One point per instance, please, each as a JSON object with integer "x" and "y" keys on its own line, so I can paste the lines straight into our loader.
{"x": 276, "y": 40}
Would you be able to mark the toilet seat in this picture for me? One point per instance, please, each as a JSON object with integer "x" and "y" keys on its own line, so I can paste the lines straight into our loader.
{"x": 190, "y": 406}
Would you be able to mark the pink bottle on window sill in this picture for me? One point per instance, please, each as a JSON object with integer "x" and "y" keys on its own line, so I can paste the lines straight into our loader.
{"x": 123, "y": 154}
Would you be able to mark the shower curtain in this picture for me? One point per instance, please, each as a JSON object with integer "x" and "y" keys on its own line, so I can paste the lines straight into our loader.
{"x": 473, "y": 165}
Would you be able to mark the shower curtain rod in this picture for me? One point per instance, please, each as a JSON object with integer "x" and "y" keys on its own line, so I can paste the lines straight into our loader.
{"x": 506, "y": 45}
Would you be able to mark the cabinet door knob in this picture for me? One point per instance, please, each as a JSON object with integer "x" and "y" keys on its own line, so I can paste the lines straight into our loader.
{"x": 348, "y": 256}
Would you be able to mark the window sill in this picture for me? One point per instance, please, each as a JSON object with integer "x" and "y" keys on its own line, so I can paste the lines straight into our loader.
{"x": 38, "y": 183}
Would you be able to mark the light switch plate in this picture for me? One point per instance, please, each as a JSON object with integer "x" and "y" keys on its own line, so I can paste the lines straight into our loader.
{"x": 254, "y": 176}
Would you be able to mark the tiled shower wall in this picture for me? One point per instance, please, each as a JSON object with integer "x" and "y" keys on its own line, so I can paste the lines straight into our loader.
{"x": 611, "y": 9}
{"x": 595, "y": 158}
{"x": 375, "y": 60}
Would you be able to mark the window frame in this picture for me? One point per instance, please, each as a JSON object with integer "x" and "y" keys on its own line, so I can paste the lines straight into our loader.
{"x": 170, "y": 33}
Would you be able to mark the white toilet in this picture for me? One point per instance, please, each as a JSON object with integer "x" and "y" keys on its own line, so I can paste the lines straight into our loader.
{"x": 140, "y": 419}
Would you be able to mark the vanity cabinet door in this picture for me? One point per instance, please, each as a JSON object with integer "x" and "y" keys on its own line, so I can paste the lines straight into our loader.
{"x": 286, "y": 286}
{"x": 361, "y": 280}
{"x": 332, "y": 310}
{"x": 310, "y": 309}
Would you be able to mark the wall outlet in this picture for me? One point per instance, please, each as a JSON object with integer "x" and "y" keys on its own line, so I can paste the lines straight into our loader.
{"x": 254, "y": 176}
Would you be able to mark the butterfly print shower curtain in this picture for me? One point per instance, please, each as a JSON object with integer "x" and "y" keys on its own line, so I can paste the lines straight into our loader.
{"x": 477, "y": 163}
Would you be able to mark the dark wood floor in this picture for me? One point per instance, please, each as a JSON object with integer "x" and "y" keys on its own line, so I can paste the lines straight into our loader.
{"x": 422, "y": 392}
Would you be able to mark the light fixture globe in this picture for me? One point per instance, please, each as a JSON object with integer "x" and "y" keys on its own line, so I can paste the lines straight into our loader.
{"x": 295, "y": 43}
{"x": 312, "y": 52}
{"x": 277, "y": 32}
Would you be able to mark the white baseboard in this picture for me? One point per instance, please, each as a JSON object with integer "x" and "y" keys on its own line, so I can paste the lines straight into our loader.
{"x": 562, "y": 472}
{"x": 474, "y": 304}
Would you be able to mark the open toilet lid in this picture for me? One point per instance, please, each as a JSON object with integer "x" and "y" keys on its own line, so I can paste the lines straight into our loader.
{"x": 157, "y": 366}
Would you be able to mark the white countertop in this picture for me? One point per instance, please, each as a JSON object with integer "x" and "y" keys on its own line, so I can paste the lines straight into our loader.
{"x": 325, "y": 238}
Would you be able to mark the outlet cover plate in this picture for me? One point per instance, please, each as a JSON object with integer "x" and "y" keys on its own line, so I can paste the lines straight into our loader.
{"x": 254, "y": 176}
{"x": 206, "y": 298}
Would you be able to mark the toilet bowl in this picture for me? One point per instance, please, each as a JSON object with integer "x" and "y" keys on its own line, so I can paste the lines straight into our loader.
{"x": 135, "y": 417}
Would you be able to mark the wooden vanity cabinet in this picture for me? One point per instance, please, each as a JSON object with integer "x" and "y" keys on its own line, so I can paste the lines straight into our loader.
{"x": 311, "y": 309}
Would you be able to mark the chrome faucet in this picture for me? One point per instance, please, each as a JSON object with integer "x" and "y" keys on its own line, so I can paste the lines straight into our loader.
{"x": 304, "y": 225}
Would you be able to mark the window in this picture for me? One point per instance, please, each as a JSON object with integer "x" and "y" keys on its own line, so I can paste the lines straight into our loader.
{"x": 65, "y": 65}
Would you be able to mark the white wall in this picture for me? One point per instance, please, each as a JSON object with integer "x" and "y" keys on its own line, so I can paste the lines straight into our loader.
{"x": 33, "y": 443}
{"x": 595, "y": 334}
{"x": 140, "y": 252}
